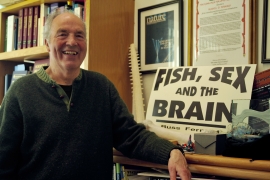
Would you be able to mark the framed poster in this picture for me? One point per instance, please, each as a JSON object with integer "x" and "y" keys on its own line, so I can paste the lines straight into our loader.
{"x": 223, "y": 32}
{"x": 193, "y": 99}
{"x": 160, "y": 35}
{"x": 265, "y": 36}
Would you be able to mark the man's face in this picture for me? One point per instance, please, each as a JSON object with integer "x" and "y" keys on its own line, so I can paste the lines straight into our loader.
{"x": 67, "y": 42}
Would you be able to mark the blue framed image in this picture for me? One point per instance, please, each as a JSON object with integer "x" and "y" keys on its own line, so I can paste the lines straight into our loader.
{"x": 160, "y": 36}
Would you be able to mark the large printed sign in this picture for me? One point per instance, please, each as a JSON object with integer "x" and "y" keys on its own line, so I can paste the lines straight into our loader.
{"x": 198, "y": 99}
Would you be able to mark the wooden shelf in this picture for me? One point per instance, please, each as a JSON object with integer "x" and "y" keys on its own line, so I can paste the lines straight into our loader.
{"x": 33, "y": 53}
{"x": 13, "y": 9}
{"x": 212, "y": 165}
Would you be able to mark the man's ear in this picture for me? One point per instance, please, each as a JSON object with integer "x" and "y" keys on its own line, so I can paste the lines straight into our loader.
{"x": 47, "y": 45}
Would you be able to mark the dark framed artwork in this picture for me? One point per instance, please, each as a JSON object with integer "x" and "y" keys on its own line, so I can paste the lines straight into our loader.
{"x": 265, "y": 35}
{"x": 160, "y": 36}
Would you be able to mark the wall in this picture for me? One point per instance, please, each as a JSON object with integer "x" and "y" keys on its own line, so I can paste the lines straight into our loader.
{"x": 110, "y": 35}
{"x": 148, "y": 78}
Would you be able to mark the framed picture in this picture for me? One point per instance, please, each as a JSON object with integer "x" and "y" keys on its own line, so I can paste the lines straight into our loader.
{"x": 224, "y": 32}
{"x": 265, "y": 36}
{"x": 160, "y": 36}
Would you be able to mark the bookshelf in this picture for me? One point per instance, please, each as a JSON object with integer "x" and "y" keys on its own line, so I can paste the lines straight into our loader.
{"x": 110, "y": 33}
{"x": 241, "y": 168}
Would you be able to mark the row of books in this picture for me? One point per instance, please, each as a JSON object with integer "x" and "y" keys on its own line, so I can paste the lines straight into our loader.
{"x": 21, "y": 70}
{"x": 127, "y": 172}
{"x": 25, "y": 30}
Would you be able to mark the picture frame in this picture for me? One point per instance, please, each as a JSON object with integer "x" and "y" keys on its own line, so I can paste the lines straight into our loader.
{"x": 160, "y": 36}
{"x": 224, "y": 32}
{"x": 265, "y": 36}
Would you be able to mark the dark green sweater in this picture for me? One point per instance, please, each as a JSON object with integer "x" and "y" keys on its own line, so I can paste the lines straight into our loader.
{"x": 46, "y": 136}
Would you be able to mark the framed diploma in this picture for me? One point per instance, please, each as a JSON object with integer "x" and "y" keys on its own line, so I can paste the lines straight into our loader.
{"x": 265, "y": 35}
{"x": 160, "y": 35}
{"x": 223, "y": 32}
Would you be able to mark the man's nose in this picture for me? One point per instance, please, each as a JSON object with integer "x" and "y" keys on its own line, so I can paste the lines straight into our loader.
{"x": 71, "y": 40}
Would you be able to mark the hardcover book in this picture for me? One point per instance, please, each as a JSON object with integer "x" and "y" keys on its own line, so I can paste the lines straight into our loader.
{"x": 20, "y": 29}
{"x": 35, "y": 24}
{"x": 16, "y": 33}
{"x": 25, "y": 27}
{"x": 30, "y": 27}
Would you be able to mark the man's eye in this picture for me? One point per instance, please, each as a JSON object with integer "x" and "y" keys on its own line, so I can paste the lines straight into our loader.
{"x": 80, "y": 36}
{"x": 62, "y": 34}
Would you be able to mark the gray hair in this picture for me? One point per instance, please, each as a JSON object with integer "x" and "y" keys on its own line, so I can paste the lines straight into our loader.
{"x": 49, "y": 20}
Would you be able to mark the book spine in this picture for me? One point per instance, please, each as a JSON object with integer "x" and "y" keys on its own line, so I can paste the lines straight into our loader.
{"x": 7, "y": 82}
{"x": 114, "y": 171}
{"x": 20, "y": 29}
{"x": 261, "y": 93}
{"x": 44, "y": 11}
{"x": 39, "y": 63}
{"x": 6, "y": 35}
{"x": 118, "y": 171}
{"x": 35, "y": 29}
{"x": 16, "y": 33}
{"x": 30, "y": 27}
{"x": 10, "y": 32}
{"x": 261, "y": 79}
{"x": 25, "y": 27}
{"x": 79, "y": 12}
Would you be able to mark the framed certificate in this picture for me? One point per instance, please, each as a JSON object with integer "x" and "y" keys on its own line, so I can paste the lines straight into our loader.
{"x": 160, "y": 35}
{"x": 223, "y": 32}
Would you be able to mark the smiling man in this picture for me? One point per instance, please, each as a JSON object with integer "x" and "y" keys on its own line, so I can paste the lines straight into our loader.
{"x": 62, "y": 122}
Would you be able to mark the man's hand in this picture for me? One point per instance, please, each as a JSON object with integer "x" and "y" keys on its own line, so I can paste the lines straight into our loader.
{"x": 177, "y": 165}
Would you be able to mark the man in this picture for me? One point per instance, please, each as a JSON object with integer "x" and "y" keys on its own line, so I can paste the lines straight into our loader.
{"x": 62, "y": 122}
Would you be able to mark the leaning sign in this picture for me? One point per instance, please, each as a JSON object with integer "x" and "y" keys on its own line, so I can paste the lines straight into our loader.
{"x": 198, "y": 99}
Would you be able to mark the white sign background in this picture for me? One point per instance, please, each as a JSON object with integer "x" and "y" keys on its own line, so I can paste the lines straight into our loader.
{"x": 196, "y": 99}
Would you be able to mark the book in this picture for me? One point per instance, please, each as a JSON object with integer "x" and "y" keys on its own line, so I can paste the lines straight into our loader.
{"x": 44, "y": 11}
{"x": 79, "y": 11}
{"x": 20, "y": 29}
{"x": 114, "y": 171}
{"x": 25, "y": 27}
{"x": 17, "y": 74}
{"x": 8, "y": 78}
{"x": 58, "y": 6}
{"x": 11, "y": 23}
{"x": 118, "y": 171}
{"x": 6, "y": 34}
{"x": 39, "y": 63}
{"x": 30, "y": 26}
{"x": 261, "y": 79}
{"x": 35, "y": 26}
{"x": 16, "y": 33}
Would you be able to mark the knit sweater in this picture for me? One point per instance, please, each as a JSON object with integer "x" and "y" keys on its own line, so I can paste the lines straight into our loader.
{"x": 46, "y": 135}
